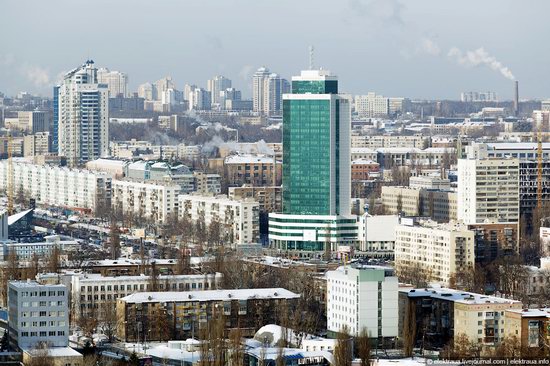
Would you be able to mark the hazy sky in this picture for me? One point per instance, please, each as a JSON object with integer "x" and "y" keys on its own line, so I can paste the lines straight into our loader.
{"x": 414, "y": 48}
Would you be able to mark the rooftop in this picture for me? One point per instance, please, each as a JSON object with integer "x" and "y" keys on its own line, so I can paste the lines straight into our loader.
{"x": 532, "y": 313}
{"x": 211, "y": 295}
{"x": 31, "y": 284}
{"x": 249, "y": 159}
{"x": 463, "y": 297}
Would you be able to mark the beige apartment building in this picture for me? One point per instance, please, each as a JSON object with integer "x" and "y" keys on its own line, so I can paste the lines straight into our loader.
{"x": 438, "y": 250}
{"x": 440, "y": 206}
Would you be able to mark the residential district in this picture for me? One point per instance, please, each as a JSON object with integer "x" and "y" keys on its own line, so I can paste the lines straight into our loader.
{"x": 186, "y": 225}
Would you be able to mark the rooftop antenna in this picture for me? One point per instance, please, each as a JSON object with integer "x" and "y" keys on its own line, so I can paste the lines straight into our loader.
{"x": 311, "y": 57}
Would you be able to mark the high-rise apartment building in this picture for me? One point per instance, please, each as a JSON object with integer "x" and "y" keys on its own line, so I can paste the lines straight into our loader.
{"x": 163, "y": 85}
{"x": 199, "y": 99}
{"x": 228, "y": 97}
{"x": 258, "y": 89}
{"x": 267, "y": 91}
{"x": 117, "y": 82}
{"x": 275, "y": 88}
{"x": 216, "y": 85}
{"x": 488, "y": 190}
{"x": 81, "y": 116}
{"x": 147, "y": 91}
{"x": 316, "y": 167}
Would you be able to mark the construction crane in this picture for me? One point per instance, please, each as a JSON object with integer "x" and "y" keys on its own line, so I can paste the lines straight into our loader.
{"x": 9, "y": 190}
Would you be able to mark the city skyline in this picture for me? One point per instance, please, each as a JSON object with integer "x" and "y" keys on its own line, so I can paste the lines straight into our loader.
{"x": 374, "y": 45}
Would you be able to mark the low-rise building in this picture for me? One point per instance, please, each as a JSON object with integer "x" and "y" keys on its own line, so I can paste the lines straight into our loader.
{"x": 443, "y": 314}
{"x": 430, "y": 182}
{"x": 437, "y": 250}
{"x": 181, "y": 315}
{"x": 361, "y": 169}
{"x": 360, "y": 296}
{"x": 530, "y": 327}
{"x": 25, "y": 251}
{"x": 91, "y": 292}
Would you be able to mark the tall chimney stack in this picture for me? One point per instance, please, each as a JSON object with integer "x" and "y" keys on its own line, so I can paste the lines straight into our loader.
{"x": 516, "y": 98}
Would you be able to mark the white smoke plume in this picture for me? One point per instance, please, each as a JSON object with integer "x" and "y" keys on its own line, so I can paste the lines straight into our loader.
{"x": 479, "y": 57}
{"x": 39, "y": 76}
{"x": 263, "y": 148}
{"x": 211, "y": 145}
{"x": 429, "y": 46}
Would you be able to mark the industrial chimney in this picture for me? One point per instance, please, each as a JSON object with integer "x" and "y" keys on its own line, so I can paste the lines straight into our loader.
{"x": 516, "y": 98}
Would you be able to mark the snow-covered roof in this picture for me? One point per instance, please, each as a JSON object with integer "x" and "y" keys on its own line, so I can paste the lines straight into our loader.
{"x": 272, "y": 353}
{"x": 211, "y": 295}
{"x": 248, "y": 159}
{"x": 532, "y": 313}
{"x": 56, "y": 352}
{"x": 364, "y": 161}
{"x": 463, "y": 297}
{"x": 12, "y": 219}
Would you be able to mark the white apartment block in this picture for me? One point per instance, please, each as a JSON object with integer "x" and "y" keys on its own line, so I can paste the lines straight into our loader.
{"x": 58, "y": 186}
{"x": 153, "y": 200}
{"x": 91, "y": 292}
{"x": 438, "y": 250}
{"x": 375, "y": 142}
{"x": 363, "y": 296}
{"x": 81, "y": 116}
{"x": 117, "y": 82}
{"x": 38, "y": 313}
{"x": 488, "y": 190}
{"x": 239, "y": 218}
{"x": 372, "y": 105}
{"x": 25, "y": 251}
{"x": 377, "y": 234}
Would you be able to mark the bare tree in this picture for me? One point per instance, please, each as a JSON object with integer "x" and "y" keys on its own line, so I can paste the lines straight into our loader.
{"x": 236, "y": 348}
{"x": 114, "y": 239}
{"x": 509, "y": 347}
{"x": 40, "y": 355}
{"x": 153, "y": 277}
{"x": 108, "y": 320}
{"x": 363, "y": 347}
{"x": 409, "y": 328}
{"x": 54, "y": 260}
{"x": 343, "y": 350}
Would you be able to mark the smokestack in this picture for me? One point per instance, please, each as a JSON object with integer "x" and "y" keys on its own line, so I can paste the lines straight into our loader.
{"x": 516, "y": 98}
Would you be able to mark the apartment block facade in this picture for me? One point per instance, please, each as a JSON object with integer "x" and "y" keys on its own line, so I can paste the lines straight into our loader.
{"x": 363, "y": 297}
{"x": 239, "y": 219}
{"x": 438, "y": 250}
{"x": 58, "y": 186}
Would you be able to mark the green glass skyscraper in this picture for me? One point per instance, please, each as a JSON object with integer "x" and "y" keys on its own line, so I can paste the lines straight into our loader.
{"x": 316, "y": 167}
